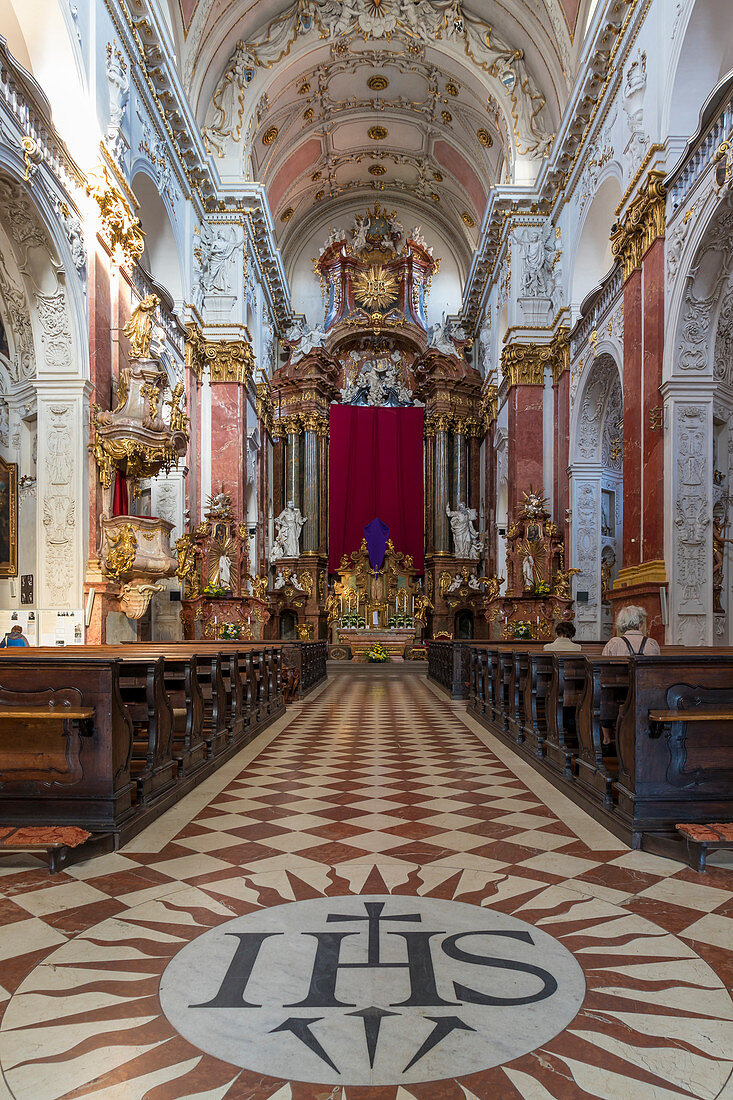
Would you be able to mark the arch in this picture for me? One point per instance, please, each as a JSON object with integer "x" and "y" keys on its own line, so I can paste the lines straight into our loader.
{"x": 463, "y": 625}
{"x": 591, "y": 407}
{"x": 592, "y": 257}
{"x": 702, "y": 55}
{"x": 287, "y": 623}
{"x": 161, "y": 256}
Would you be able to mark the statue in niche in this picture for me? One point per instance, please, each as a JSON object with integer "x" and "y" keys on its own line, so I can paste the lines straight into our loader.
{"x": 224, "y": 571}
{"x": 139, "y": 329}
{"x": 539, "y": 255}
{"x": 290, "y": 523}
{"x": 720, "y": 524}
{"x": 212, "y": 254}
{"x": 466, "y": 541}
{"x": 440, "y": 337}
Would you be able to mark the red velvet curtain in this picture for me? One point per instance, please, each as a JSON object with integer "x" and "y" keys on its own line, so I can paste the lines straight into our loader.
{"x": 120, "y": 503}
{"x": 376, "y": 471}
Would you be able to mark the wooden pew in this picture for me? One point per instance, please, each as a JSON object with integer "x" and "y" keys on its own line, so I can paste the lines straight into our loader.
{"x": 675, "y": 742}
{"x": 67, "y": 761}
{"x": 142, "y": 686}
{"x": 606, "y": 687}
{"x": 536, "y": 689}
{"x": 563, "y": 700}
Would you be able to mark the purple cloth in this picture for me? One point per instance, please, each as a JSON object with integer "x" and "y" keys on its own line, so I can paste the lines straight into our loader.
{"x": 376, "y": 534}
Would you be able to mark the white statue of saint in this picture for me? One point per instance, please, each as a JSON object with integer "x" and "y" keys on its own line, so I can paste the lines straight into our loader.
{"x": 289, "y": 524}
{"x": 528, "y": 570}
{"x": 465, "y": 536}
{"x": 225, "y": 571}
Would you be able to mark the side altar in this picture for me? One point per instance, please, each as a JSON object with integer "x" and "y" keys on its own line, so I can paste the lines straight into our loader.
{"x": 537, "y": 582}
{"x": 384, "y": 604}
{"x": 220, "y": 597}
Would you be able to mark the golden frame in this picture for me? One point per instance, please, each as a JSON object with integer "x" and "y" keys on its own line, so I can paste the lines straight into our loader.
{"x": 9, "y": 514}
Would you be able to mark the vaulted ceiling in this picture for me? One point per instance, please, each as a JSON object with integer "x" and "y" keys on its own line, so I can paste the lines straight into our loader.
{"x": 421, "y": 103}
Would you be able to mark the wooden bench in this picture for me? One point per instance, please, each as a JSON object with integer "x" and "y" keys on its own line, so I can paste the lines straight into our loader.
{"x": 701, "y": 839}
{"x": 66, "y": 741}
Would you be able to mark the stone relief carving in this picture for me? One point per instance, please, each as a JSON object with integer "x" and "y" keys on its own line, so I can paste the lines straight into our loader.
{"x": 539, "y": 259}
{"x": 156, "y": 150}
{"x": 591, "y": 412}
{"x": 119, "y": 94}
{"x": 586, "y": 547}
{"x": 59, "y": 506}
{"x": 692, "y": 509}
{"x": 23, "y": 361}
{"x": 723, "y": 358}
{"x": 56, "y": 332}
{"x": 212, "y": 255}
{"x": 634, "y": 89}
{"x": 694, "y": 346}
{"x": 611, "y": 453}
{"x": 74, "y": 234}
{"x": 4, "y": 423}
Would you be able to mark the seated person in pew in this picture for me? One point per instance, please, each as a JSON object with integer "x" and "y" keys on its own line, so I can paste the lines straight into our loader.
{"x": 14, "y": 637}
{"x": 631, "y": 638}
{"x": 563, "y": 643}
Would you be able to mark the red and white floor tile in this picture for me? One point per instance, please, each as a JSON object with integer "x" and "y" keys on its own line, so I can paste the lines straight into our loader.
{"x": 375, "y": 902}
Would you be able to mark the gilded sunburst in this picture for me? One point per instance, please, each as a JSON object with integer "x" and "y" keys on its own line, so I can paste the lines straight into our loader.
{"x": 376, "y": 288}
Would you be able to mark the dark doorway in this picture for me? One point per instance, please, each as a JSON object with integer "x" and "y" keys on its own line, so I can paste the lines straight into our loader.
{"x": 464, "y": 626}
{"x": 288, "y": 621}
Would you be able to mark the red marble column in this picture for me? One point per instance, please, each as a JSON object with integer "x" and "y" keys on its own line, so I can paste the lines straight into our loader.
{"x": 561, "y": 393}
{"x": 100, "y": 367}
{"x": 526, "y": 443}
{"x": 633, "y": 427}
{"x": 228, "y": 442}
{"x": 653, "y": 438}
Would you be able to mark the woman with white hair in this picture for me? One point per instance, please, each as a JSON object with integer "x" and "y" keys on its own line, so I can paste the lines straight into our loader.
{"x": 631, "y": 639}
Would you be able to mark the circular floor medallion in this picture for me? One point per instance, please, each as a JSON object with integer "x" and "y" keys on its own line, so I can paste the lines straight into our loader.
{"x": 414, "y": 989}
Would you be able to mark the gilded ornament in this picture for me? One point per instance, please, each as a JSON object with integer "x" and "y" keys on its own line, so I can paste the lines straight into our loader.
{"x": 438, "y": 177}
{"x": 446, "y": 116}
{"x": 644, "y": 222}
{"x": 259, "y": 588}
{"x": 139, "y": 329}
{"x": 485, "y": 138}
{"x": 195, "y": 350}
{"x": 435, "y": 196}
{"x": 304, "y": 88}
{"x": 287, "y": 214}
{"x": 308, "y": 114}
{"x": 377, "y": 83}
{"x": 319, "y": 195}
{"x": 452, "y": 89}
{"x": 316, "y": 176}
{"x": 270, "y": 135}
{"x": 305, "y": 581}
{"x": 119, "y": 224}
{"x": 468, "y": 220}
{"x": 376, "y": 288}
{"x": 377, "y": 170}
{"x": 122, "y": 548}
{"x": 179, "y": 421}
{"x": 378, "y": 133}
{"x": 230, "y": 361}
{"x": 187, "y": 571}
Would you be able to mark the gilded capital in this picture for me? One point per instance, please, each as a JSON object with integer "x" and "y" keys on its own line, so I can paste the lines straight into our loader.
{"x": 524, "y": 364}
{"x": 230, "y": 361}
{"x": 489, "y": 403}
{"x": 265, "y": 405}
{"x": 195, "y": 350}
{"x": 642, "y": 224}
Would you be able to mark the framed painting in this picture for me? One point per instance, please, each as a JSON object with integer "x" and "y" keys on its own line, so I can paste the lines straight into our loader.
{"x": 8, "y": 519}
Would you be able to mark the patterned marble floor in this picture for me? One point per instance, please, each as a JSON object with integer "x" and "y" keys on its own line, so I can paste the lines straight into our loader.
{"x": 376, "y": 801}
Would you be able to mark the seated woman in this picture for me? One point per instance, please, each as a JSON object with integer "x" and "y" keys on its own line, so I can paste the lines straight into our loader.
{"x": 631, "y": 638}
{"x": 563, "y": 643}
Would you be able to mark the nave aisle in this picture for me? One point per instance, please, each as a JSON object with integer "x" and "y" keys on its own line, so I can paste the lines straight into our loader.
{"x": 375, "y": 848}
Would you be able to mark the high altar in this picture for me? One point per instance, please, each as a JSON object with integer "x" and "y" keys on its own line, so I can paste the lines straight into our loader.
{"x": 385, "y": 605}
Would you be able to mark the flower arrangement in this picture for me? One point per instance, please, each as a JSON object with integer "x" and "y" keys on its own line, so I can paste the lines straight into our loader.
{"x": 542, "y": 588}
{"x": 377, "y": 653}
{"x": 230, "y": 631}
{"x": 400, "y": 621}
{"x": 523, "y": 629}
{"x": 358, "y": 622}
{"x": 216, "y": 591}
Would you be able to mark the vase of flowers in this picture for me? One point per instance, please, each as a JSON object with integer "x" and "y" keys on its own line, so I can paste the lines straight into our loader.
{"x": 230, "y": 631}
{"x": 215, "y": 591}
{"x": 523, "y": 630}
{"x": 377, "y": 654}
{"x": 542, "y": 589}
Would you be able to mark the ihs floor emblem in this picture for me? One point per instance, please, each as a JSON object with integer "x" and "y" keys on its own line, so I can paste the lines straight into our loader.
{"x": 372, "y": 990}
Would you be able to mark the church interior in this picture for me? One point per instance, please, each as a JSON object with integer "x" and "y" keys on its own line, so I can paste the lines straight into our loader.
{"x": 366, "y": 582}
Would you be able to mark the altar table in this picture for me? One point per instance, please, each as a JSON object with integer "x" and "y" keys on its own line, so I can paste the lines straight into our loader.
{"x": 394, "y": 641}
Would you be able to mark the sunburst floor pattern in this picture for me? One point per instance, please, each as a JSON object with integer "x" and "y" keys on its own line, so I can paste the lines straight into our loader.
{"x": 377, "y": 903}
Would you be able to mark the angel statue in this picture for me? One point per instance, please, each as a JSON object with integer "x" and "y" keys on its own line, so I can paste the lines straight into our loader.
{"x": 492, "y": 587}
{"x": 179, "y": 419}
{"x": 421, "y": 607}
{"x": 187, "y": 571}
{"x": 139, "y": 329}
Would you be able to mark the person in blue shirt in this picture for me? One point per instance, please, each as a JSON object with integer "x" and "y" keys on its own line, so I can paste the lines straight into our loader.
{"x": 14, "y": 638}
